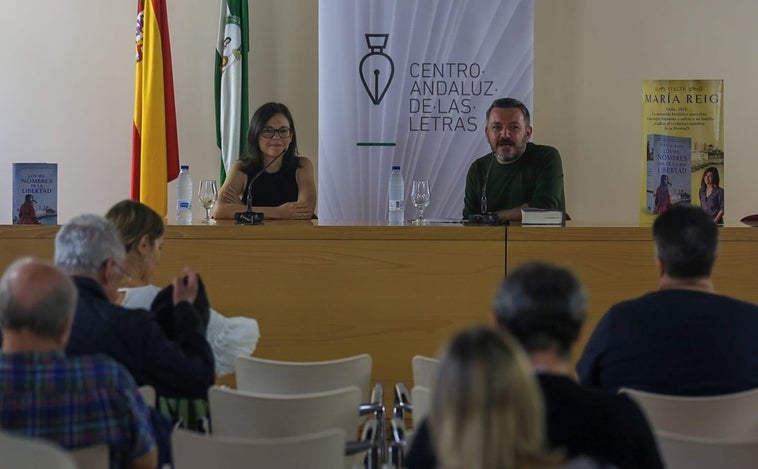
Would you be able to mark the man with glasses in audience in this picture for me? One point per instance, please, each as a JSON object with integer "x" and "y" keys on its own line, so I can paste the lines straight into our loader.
{"x": 89, "y": 248}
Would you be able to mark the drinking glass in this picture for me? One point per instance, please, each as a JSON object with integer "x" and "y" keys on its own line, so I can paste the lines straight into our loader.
{"x": 420, "y": 196}
{"x": 207, "y": 193}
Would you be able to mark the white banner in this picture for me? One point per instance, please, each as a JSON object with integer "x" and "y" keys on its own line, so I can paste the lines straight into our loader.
{"x": 408, "y": 82}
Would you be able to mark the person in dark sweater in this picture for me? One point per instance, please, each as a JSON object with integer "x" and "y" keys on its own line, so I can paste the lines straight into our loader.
{"x": 544, "y": 307}
{"x": 90, "y": 249}
{"x": 685, "y": 338}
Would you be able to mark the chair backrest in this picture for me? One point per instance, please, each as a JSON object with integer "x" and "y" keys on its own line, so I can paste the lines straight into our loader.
{"x": 91, "y": 457}
{"x": 257, "y": 415}
{"x": 322, "y": 450}
{"x": 29, "y": 453}
{"x": 688, "y": 452}
{"x": 723, "y": 416}
{"x": 282, "y": 377}
{"x": 421, "y": 398}
{"x": 425, "y": 370}
{"x": 148, "y": 395}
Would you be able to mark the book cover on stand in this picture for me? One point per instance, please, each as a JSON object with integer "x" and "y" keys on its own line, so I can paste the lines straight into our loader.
{"x": 35, "y": 194}
{"x": 669, "y": 169}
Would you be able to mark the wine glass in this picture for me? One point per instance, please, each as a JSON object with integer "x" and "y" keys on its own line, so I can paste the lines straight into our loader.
{"x": 420, "y": 196}
{"x": 207, "y": 193}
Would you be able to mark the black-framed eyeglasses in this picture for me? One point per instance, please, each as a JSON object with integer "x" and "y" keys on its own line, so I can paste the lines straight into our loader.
{"x": 282, "y": 132}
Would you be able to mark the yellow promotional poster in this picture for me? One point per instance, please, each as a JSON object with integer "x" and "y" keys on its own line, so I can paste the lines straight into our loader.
{"x": 682, "y": 146}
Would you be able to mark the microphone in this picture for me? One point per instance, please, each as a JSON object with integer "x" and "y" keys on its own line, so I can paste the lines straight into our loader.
{"x": 249, "y": 217}
{"x": 483, "y": 201}
{"x": 485, "y": 217}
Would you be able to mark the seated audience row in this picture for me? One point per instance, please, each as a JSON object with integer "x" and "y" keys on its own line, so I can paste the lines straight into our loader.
{"x": 493, "y": 405}
{"x": 165, "y": 348}
{"x": 544, "y": 307}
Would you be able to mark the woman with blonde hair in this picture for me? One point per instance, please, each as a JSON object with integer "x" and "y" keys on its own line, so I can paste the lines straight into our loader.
{"x": 487, "y": 410}
{"x": 142, "y": 230}
{"x": 486, "y": 407}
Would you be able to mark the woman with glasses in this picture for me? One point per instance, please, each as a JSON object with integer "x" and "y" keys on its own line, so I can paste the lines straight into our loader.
{"x": 278, "y": 180}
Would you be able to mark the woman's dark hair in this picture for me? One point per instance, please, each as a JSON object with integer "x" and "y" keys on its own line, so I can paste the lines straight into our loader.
{"x": 664, "y": 178}
{"x": 714, "y": 176}
{"x": 686, "y": 240}
{"x": 543, "y": 305}
{"x": 253, "y": 162}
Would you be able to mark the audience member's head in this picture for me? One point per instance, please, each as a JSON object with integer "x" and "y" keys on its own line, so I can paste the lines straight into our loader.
{"x": 686, "y": 242}
{"x": 486, "y": 410}
{"x": 543, "y": 306}
{"x": 38, "y": 299}
{"x": 90, "y": 246}
{"x": 136, "y": 222}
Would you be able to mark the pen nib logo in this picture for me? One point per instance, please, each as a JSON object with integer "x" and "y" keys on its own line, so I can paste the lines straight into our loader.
{"x": 376, "y": 68}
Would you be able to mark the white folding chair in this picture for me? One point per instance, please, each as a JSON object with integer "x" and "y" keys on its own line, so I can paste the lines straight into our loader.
{"x": 421, "y": 397}
{"x": 245, "y": 414}
{"x": 266, "y": 376}
{"x": 689, "y": 452}
{"x": 321, "y": 450}
{"x": 20, "y": 452}
{"x": 424, "y": 375}
{"x": 91, "y": 457}
{"x": 723, "y": 416}
{"x": 286, "y": 377}
{"x": 424, "y": 370}
{"x": 257, "y": 415}
{"x": 148, "y": 395}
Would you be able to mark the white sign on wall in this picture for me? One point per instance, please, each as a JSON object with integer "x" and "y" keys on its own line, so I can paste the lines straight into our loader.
{"x": 408, "y": 82}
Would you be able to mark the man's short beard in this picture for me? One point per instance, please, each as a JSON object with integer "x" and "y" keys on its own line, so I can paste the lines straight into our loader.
{"x": 508, "y": 159}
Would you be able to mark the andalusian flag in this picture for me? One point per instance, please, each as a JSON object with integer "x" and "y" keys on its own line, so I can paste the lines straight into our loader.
{"x": 231, "y": 82}
{"x": 155, "y": 151}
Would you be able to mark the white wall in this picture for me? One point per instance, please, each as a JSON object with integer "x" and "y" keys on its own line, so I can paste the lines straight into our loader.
{"x": 66, "y": 90}
{"x": 591, "y": 57}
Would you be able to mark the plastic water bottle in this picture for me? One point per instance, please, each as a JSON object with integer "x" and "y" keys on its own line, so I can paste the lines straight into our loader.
{"x": 184, "y": 197}
{"x": 396, "y": 192}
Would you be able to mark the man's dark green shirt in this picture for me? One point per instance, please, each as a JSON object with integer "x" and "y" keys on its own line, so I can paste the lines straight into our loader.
{"x": 535, "y": 179}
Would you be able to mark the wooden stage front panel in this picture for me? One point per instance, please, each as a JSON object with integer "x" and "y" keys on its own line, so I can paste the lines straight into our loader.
{"x": 616, "y": 264}
{"x": 322, "y": 292}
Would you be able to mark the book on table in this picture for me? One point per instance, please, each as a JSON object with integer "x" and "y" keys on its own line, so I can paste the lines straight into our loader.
{"x": 35, "y": 193}
{"x": 542, "y": 216}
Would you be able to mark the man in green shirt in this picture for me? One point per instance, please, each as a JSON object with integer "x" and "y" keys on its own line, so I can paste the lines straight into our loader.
{"x": 517, "y": 173}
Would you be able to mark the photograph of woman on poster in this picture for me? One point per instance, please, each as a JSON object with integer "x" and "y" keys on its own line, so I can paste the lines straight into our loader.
{"x": 712, "y": 195}
{"x": 662, "y": 197}
{"x": 26, "y": 213}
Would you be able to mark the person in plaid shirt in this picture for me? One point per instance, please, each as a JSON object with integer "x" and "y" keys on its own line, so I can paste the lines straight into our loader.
{"x": 73, "y": 401}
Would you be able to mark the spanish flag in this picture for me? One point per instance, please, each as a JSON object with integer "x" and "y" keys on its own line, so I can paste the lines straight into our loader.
{"x": 155, "y": 151}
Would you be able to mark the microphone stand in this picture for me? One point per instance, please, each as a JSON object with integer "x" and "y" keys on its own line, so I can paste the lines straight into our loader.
{"x": 249, "y": 217}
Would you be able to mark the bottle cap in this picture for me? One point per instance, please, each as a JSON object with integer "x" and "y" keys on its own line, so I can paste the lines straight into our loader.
{"x": 395, "y": 166}
{"x": 184, "y": 166}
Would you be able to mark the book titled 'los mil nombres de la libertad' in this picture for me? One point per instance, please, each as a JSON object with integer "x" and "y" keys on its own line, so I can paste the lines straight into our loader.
{"x": 35, "y": 193}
